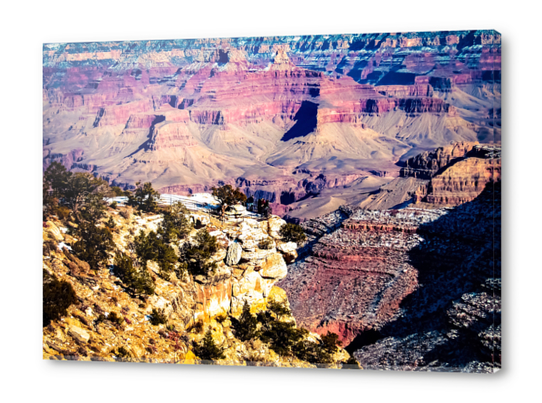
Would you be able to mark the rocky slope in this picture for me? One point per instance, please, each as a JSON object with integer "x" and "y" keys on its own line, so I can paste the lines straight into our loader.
{"x": 411, "y": 279}
{"x": 245, "y": 273}
{"x": 356, "y": 276}
{"x": 189, "y": 114}
{"x": 453, "y": 321}
{"x": 410, "y": 289}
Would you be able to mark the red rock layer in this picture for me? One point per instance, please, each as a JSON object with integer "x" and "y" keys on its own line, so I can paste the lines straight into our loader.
{"x": 119, "y": 114}
{"x": 428, "y": 163}
{"x": 458, "y": 173}
{"x": 170, "y": 135}
{"x": 356, "y": 277}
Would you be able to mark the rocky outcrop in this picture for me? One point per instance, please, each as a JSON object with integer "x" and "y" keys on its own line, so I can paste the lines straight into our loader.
{"x": 429, "y": 163}
{"x": 462, "y": 182}
{"x": 119, "y": 114}
{"x": 233, "y": 255}
{"x": 167, "y": 135}
{"x": 111, "y": 323}
{"x": 355, "y": 277}
{"x": 68, "y": 160}
{"x": 458, "y": 173}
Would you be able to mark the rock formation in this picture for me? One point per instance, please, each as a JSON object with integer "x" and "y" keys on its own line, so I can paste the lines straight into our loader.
{"x": 189, "y": 114}
{"x": 356, "y": 276}
{"x": 110, "y": 323}
{"x": 416, "y": 287}
{"x": 453, "y": 321}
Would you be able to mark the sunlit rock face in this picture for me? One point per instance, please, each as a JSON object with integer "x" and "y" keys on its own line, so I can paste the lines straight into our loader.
{"x": 191, "y": 304}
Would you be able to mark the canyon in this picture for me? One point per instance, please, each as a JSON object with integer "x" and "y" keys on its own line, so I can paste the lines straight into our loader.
{"x": 384, "y": 148}
{"x": 304, "y": 122}
{"x": 415, "y": 287}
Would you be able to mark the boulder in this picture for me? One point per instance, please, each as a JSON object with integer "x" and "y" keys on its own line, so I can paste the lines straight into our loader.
{"x": 79, "y": 334}
{"x": 54, "y": 231}
{"x": 251, "y": 237}
{"x": 274, "y": 225}
{"x": 273, "y": 266}
{"x": 256, "y": 255}
{"x": 233, "y": 255}
{"x": 289, "y": 251}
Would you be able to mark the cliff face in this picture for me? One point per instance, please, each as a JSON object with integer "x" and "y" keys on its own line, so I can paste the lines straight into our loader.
{"x": 457, "y": 174}
{"x": 453, "y": 322}
{"x": 244, "y": 274}
{"x": 189, "y": 114}
{"x": 409, "y": 289}
{"x": 355, "y": 277}
{"x": 444, "y": 177}
{"x": 427, "y": 164}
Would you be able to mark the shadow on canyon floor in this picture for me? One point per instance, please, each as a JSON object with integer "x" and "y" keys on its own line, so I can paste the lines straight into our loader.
{"x": 456, "y": 308}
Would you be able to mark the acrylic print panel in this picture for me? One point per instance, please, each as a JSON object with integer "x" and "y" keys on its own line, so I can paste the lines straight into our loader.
{"x": 312, "y": 201}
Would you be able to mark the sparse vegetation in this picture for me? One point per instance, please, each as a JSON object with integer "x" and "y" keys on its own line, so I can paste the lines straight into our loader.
{"x": 280, "y": 309}
{"x": 208, "y": 350}
{"x": 196, "y": 327}
{"x": 228, "y": 196}
{"x": 138, "y": 280}
{"x": 58, "y": 296}
{"x": 158, "y": 317}
{"x": 75, "y": 191}
{"x": 196, "y": 255}
{"x": 151, "y": 247}
{"x": 283, "y": 337}
{"x": 65, "y": 196}
{"x": 122, "y": 354}
{"x": 175, "y": 226}
{"x": 144, "y": 198}
{"x": 292, "y": 233}
{"x": 94, "y": 245}
{"x": 246, "y": 327}
{"x": 266, "y": 243}
{"x": 115, "y": 318}
{"x": 117, "y": 191}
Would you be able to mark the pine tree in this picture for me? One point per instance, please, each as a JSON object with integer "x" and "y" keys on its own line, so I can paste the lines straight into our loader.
{"x": 208, "y": 350}
{"x": 58, "y": 296}
{"x": 94, "y": 245}
{"x": 175, "y": 226}
{"x": 292, "y": 233}
{"x": 228, "y": 196}
{"x": 246, "y": 327}
{"x": 144, "y": 198}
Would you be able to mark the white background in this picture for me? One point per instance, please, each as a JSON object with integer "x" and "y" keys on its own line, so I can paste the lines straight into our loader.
{"x": 26, "y": 25}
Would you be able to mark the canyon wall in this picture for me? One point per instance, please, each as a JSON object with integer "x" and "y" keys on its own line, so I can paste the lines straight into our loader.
{"x": 188, "y": 114}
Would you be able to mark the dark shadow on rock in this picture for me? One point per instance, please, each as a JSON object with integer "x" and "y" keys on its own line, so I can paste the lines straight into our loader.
{"x": 363, "y": 339}
{"x": 450, "y": 321}
{"x": 305, "y": 119}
